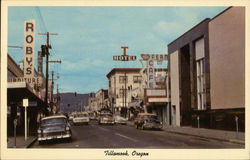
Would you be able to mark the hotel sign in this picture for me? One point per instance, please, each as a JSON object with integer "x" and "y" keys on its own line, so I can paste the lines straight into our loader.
{"x": 29, "y": 44}
{"x": 124, "y": 57}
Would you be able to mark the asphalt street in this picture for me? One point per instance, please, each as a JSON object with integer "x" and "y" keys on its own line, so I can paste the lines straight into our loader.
{"x": 123, "y": 136}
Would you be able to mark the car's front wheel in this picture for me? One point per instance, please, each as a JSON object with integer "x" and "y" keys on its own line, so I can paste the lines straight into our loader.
{"x": 40, "y": 142}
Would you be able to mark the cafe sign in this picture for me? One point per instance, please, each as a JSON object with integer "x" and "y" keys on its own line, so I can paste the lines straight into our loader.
{"x": 29, "y": 44}
{"x": 156, "y": 57}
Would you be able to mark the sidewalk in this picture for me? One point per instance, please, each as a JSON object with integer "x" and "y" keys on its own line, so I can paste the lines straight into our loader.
{"x": 20, "y": 142}
{"x": 221, "y": 135}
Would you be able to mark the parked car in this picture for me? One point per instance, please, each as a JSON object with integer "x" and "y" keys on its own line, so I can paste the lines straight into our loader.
{"x": 147, "y": 121}
{"x": 106, "y": 117}
{"x": 92, "y": 116}
{"x": 81, "y": 118}
{"x": 54, "y": 127}
{"x": 71, "y": 117}
{"x": 120, "y": 120}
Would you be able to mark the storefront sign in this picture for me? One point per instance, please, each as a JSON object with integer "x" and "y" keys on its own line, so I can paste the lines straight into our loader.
{"x": 34, "y": 80}
{"x": 29, "y": 44}
{"x": 156, "y": 92}
{"x": 158, "y": 100}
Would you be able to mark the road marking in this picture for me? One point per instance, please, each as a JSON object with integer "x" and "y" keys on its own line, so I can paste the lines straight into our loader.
{"x": 103, "y": 129}
{"x": 126, "y": 137}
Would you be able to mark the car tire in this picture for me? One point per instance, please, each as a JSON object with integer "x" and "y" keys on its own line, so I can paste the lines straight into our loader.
{"x": 40, "y": 142}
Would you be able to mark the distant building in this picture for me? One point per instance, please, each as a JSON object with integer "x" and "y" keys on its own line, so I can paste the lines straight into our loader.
{"x": 101, "y": 95}
{"x": 121, "y": 80}
{"x": 72, "y": 102}
{"x": 207, "y": 73}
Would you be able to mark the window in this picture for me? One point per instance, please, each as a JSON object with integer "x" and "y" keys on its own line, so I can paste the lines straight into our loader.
{"x": 122, "y": 79}
{"x": 122, "y": 92}
{"x": 201, "y": 93}
{"x": 137, "y": 79}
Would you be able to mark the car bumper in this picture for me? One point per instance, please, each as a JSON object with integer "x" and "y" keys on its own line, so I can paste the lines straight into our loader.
{"x": 107, "y": 122}
{"x": 82, "y": 122}
{"x": 152, "y": 126}
{"x": 54, "y": 137}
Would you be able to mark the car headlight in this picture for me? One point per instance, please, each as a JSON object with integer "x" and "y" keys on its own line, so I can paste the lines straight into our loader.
{"x": 67, "y": 128}
{"x": 39, "y": 131}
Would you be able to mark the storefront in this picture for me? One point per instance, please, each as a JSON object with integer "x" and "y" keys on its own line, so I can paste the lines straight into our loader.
{"x": 16, "y": 92}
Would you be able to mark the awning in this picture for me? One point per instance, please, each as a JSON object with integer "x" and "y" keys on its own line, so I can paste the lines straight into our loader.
{"x": 19, "y": 90}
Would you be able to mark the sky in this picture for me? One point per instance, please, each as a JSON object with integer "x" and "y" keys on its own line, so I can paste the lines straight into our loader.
{"x": 89, "y": 37}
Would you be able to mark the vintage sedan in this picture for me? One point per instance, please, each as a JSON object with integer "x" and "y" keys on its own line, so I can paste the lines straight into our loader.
{"x": 54, "y": 127}
{"x": 106, "y": 117}
{"x": 81, "y": 118}
{"x": 147, "y": 121}
{"x": 120, "y": 120}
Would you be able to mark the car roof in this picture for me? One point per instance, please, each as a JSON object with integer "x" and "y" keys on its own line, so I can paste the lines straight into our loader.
{"x": 51, "y": 117}
{"x": 146, "y": 114}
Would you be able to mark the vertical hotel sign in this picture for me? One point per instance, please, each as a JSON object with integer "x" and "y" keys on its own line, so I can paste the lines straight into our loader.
{"x": 29, "y": 48}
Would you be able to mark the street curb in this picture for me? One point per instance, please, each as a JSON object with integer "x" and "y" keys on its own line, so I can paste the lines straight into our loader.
{"x": 237, "y": 141}
{"x": 31, "y": 143}
{"x": 218, "y": 139}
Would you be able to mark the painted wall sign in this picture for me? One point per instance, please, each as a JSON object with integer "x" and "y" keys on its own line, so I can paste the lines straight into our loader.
{"x": 29, "y": 45}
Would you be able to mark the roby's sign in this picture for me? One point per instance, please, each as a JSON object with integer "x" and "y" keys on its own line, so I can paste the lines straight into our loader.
{"x": 29, "y": 47}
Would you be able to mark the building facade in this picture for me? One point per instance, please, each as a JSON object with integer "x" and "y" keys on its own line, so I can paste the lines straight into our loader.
{"x": 101, "y": 96}
{"x": 206, "y": 85}
{"x": 151, "y": 100}
{"x": 121, "y": 80}
{"x": 18, "y": 89}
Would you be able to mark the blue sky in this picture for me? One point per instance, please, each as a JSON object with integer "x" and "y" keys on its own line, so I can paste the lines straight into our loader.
{"x": 88, "y": 37}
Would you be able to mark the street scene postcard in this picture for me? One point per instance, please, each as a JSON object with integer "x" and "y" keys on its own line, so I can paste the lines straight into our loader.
{"x": 87, "y": 81}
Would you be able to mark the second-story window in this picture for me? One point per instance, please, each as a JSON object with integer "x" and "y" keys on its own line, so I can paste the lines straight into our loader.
{"x": 122, "y": 79}
{"x": 137, "y": 79}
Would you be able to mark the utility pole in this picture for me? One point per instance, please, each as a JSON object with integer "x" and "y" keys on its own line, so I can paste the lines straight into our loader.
{"x": 46, "y": 53}
{"x": 52, "y": 85}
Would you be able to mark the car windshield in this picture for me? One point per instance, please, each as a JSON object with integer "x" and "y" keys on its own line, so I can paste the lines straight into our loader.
{"x": 106, "y": 114}
{"x": 120, "y": 118}
{"x": 150, "y": 117}
{"x": 82, "y": 115}
{"x": 53, "y": 121}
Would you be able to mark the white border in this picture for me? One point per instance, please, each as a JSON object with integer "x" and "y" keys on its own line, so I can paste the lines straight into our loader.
{"x": 99, "y": 153}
